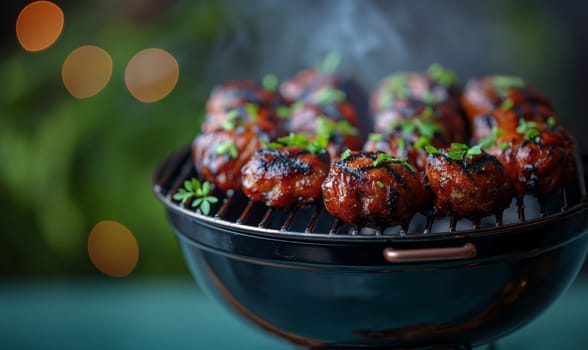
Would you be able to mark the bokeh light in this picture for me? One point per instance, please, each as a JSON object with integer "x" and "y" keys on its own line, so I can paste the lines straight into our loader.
{"x": 113, "y": 249}
{"x": 39, "y": 25}
{"x": 86, "y": 71}
{"x": 151, "y": 75}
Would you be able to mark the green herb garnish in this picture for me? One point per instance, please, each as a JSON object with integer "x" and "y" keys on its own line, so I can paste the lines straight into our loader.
{"x": 374, "y": 137}
{"x": 329, "y": 128}
{"x": 504, "y": 83}
{"x": 200, "y": 192}
{"x": 330, "y": 63}
{"x": 401, "y": 144}
{"x": 283, "y": 112}
{"x": 345, "y": 154}
{"x": 328, "y": 95}
{"x": 380, "y": 184}
{"x": 424, "y": 126}
{"x": 459, "y": 151}
{"x": 317, "y": 145}
{"x": 270, "y": 82}
{"x": 489, "y": 141}
{"x": 507, "y": 104}
{"x": 442, "y": 75}
{"x": 422, "y": 142}
{"x": 253, "y": 111}
{"x": 551, "y": 122}
{"x": 528, "y": 128}
{"x": 504, "y": 146}
{"x": 230, "y": 120}
{"x": 429, "y": 98}
{"x": 384, "y": 158}
{"x": 431, "y": 149}
{"x": 227, "y": 147}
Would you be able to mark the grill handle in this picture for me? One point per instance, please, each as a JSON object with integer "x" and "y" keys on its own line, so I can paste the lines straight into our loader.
{"x": 395, "y": 256}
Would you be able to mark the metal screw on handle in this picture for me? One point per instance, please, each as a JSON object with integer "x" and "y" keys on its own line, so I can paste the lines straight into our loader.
{"x": 466, "y": 251}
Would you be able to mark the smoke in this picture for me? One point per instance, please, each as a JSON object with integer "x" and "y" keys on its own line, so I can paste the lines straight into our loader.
{"x": 376, "y": 38}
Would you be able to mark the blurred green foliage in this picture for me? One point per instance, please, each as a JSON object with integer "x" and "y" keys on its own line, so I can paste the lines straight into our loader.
{"x": 69, "y": 163}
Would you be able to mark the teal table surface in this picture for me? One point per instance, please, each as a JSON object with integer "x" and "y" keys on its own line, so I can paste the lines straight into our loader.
{"x": 175, "y": 314}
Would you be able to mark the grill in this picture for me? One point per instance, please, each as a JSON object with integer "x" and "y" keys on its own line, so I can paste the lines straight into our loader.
{"x": 237, "y": 211}
{"x": 303, "y": 275}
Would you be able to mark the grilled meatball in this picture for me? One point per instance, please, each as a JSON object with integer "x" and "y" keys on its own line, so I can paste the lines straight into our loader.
{"x": 388, "y": 193}
{"x": 305, "y": 82}
{"x": 218, "y": 156}
{"x": 262, "y": 119}
{"x": 508, "y": 119}
{"x": 437, "y": 86}
{"x": 285, "y": 176}
{"x": 234, "y": 94}
{"x": 330, "y": 91}
{"x": 472, "y": 187}
{"x": 540, "y": 162}
{"x": 407, "y": 94}
{"x": 483, "y": 95}
{"x": 407, "y": 145}
{"x": 338, "y": 122}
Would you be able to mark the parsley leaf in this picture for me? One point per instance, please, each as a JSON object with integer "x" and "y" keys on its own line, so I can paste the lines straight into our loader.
{"x": 198, "y": 192}
{"x": 230, "y": 120}
{"x": 551, "y": 121}
{"x": 345, "y": 154}
{"x": 270, "y": 82}
{"x": 253, "y": 111}
{"x": 528, "y": 128}
{"x": 283, "y": 112}
{"x": 328, "y": 95}
{"x": 442, "y": 75}
{"x": 503, "y": 83}
{"x": 317, "y": 145}
{"x": 329, "y": 128}
{"x": 375, "y": 137}
{"x": 330, "y": 63}
{"x": 431, "y": 149}
{"x": 227, "y": 147}
{"x": 380, "y": 184}
{"x": 384, "y": 158}
{"x": 507, "y": 104}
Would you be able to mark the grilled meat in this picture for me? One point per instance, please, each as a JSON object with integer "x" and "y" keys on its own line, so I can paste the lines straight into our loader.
{"x": 234, "y": 94}
{"x": 408, "y": 144}
{"x": 484, "y": 95}
{"x": 374, "y": 189}
{"x": 467, "y": 186}
{"x": 537, "y": 162}
{"x": 285, "y": 176}
{"x": 219, "y": 155}
{"x": 338, "y": 122}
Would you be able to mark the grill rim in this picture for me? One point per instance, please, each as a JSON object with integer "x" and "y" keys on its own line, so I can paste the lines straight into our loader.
{"x": 184, "y": 155}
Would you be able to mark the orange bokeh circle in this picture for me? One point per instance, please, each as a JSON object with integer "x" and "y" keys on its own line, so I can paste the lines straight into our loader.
{"x": 113, "y": 249}
{"x": 86, "y": 71}
{"x": 151, "y": 75}
{"x": 39, "y": 25}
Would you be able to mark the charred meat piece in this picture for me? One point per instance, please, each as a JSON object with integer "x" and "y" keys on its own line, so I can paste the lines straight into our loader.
{"x": 327, "y": 90}
{"x": 508, "y": 119}
{"x": 408, "y": 139}
{"x": 436, "y": 86}
{"x": 219, "y": 155}
{"x": 467, "y": 183}
{"x": 338, "y": 122}
{"x": 285, "y": 176}
{"x": 537, "y": 162}
{"x": 234, "y": 94}
{"x": 263, "y": 119}
{"x": 483, "y": 95}
{"x": 374, "y": 189}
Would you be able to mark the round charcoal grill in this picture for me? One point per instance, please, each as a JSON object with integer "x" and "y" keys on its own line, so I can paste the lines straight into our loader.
{"x": 319, "y": 283}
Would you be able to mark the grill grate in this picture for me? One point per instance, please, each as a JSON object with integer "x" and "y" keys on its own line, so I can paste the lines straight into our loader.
{"x": 237, "y": 209}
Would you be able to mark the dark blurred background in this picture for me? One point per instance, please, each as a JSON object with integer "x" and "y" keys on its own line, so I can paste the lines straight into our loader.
{"x": 67, "y": 163}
